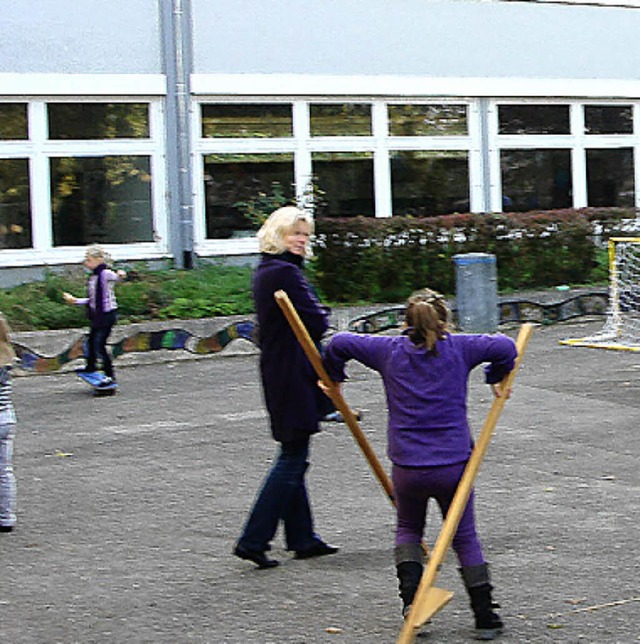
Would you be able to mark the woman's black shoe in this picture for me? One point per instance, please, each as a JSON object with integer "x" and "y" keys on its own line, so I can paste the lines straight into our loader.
{"x": 319, "y": 549}
{"x": 6, "y": 528}
{"x": 258, "y": 558}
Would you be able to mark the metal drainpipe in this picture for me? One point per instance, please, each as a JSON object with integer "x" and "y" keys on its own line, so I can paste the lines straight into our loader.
{"x": 177, "y": 60}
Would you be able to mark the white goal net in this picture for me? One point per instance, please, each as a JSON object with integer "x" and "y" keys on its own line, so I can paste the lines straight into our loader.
{"x": 622, "y": 327}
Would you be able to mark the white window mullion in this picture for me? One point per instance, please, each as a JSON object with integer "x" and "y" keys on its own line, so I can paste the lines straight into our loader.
{"x": 578, "y": 157}
{"x": 40, "y": 179}
{"x": 381, "y": 162}
{"x": 159, "y": 195}
{"x": 493, "y": 154}
{"x": 476, "y": 163}
{"x": 303, "y": 169}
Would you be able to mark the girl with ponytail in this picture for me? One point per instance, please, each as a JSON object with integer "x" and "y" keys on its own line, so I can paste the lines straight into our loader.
{"x": 425, "y": 373}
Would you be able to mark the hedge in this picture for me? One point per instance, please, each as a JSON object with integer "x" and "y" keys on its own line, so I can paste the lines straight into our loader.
{"x": 384, "y": 260}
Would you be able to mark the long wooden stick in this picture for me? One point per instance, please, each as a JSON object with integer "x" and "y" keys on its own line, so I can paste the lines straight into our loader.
{"x": 313, "y": 354}
{"x": 429, "y": 600}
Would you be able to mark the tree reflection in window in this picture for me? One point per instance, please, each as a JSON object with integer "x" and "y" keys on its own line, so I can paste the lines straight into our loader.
{"x": 533, "y": 119}
{"x": 427, "y": 120}
{"x": 610, "y": 177}
{"x": 15, "y": 208}
{"x": 240, "y": 189}
{"x": 13, "y": 121}
{"x": 428, "y": 183}
{"x": 342, "y": 119}
{"x": 343, "y": 184}
{"x": 256, "y": 120}
{"x": 101, "y": 199}
{"x": 536, "y": 179}
{"x": 608, "y": 119}
{"x": 98, "y": 120}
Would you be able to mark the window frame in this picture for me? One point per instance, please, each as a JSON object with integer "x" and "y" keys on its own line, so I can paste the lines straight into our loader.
{"x": 38, "y": 149}
{"x": 302, "y": 145}
{"x": 577, "y": 142}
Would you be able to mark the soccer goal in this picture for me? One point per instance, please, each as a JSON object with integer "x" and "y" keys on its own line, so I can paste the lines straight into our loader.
{"x": 622, "y": 328}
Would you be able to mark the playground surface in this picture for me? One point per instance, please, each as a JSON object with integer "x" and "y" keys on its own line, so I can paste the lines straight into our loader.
{"x": 129, "y": 507}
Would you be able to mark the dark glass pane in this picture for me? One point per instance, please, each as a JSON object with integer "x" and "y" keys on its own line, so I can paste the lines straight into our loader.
{"x": 536, "y": 179}
{"x": 610, "y": 177}
{"x": 427, "y": 183}
{"x": 243, "y": 189}
{"x": 345, "y": 119}
{"x": 533, "y": 119}
{"x": 608, "y": 119}
{"x": 13, "y": 121}
{"x": 101, "y": 199}
{"x": 427, "y": 120}
{"x": 15, "y": 208}
{"x": 223, "y": 120}
{"x": 98, "y": 120}
{"x": 343, "y": 184}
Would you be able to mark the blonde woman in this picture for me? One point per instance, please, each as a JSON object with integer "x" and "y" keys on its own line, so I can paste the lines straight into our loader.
{"x": 294, "y": 402}
{"x": 7, "y": 432}
{"x": 101, "y": 308}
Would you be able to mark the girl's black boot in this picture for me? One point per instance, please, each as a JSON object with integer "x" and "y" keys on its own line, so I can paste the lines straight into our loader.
{"x": 488, "y": 622}
{"x": 409, "y": 567}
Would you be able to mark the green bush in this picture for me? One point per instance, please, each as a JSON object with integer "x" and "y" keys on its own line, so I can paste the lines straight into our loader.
{"x": 384, "y": 260}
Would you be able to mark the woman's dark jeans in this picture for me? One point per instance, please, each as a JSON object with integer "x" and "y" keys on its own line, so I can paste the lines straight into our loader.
{"x": 283, "y": 496}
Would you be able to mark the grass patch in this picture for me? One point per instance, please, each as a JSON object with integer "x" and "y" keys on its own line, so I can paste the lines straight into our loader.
{"x": 146, "y": 295}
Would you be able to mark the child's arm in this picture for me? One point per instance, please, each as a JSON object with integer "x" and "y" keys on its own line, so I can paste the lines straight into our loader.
{"x": 115, "y": 276}
{"x": 71, "y": 299}
{"x": 371, "y": 351}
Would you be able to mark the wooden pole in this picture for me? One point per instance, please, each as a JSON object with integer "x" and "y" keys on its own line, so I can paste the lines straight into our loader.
{"x": 313, "y": 354}
{"x": 429, "y": 600}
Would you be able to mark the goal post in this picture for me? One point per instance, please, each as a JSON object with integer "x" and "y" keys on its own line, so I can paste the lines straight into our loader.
{"x": 621, "y": 330}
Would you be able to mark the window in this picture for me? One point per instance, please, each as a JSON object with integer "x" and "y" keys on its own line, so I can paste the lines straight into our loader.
{"x": 536, "y": 179}
{"x": 343, "y": 184}
{"x": 101, "y": 199}
{"x": 427, "y": 120}
{"x": 98, "y": 120}
{"x": 610, "y": 177}
{"x": 15, "y": 208}
{"x": 261, "y": 120}
{"x": 13, "y": 121}
{"x": 75, "y": 173}
{"x": 533, "y": 119}
{"x": 242, "y": 189}
{"x": 428, "y": 183}
{"x": 608, "y": 119}
{"x": 342, "y": 119}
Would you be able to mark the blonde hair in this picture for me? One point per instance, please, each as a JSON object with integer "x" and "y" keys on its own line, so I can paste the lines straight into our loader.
{"x": 427, "y": 316}
{"x": 279, "y": 224}
{"x": 98, "y": 252}
{"x": 7, "y": 354}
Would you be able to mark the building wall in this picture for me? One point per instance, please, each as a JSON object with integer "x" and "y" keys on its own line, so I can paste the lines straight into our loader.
{"x": 80, "y": 37}
{"x": 415, "y": 37}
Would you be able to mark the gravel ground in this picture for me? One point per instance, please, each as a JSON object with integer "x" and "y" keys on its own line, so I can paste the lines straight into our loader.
{"x": 130, "y": 505}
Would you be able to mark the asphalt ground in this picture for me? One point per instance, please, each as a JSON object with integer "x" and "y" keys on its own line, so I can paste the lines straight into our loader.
{"x": 129, "y": 507}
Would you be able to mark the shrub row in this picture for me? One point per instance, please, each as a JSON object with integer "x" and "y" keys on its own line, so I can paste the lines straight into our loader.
{"x": 384, "y": 260}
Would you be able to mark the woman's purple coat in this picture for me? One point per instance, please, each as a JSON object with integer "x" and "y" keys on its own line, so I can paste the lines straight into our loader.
{"x": 289, "y": 381}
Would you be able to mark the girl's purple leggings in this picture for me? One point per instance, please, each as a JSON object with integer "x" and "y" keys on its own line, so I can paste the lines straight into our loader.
{"x": 413, "y": 487}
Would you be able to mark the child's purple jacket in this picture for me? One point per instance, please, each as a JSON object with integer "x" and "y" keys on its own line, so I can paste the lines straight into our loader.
{"x": 426, "y": 394}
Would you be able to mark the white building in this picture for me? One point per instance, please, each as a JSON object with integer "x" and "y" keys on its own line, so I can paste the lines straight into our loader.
{"x": 145, "y": 124}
